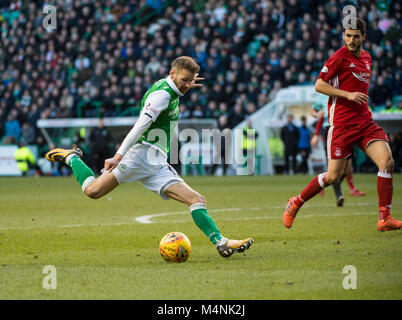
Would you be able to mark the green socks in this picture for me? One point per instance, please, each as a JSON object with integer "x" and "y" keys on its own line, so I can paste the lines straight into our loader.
{"x": 81, "y": 171}
{"x": 204, "y": 221}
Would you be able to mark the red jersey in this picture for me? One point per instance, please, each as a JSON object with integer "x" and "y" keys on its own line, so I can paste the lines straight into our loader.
{"x": 345, "y": 71}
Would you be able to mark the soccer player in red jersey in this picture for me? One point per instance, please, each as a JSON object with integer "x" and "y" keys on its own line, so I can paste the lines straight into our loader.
{"x": 345, "y": 79}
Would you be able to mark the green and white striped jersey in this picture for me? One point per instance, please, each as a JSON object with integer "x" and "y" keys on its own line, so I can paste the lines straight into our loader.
{"x": 161, "y": 103}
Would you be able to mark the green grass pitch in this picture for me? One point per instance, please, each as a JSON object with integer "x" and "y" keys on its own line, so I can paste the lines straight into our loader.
{"x": 101, "y": 251}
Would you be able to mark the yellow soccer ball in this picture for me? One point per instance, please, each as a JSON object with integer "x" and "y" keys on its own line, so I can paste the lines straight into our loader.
{"x": 175, "y": 247}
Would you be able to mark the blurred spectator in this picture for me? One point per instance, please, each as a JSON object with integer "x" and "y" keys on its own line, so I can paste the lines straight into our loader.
{"x": 290, "y": 138}
{"x": 100, "y": 139}
{"x": 12, "y": 128}
{"x": 212, "y": 111}
{"x": 198, "y": 113}
{"x": 184, "y": 113}
{"x": 304, "y": 145}
{"x": 24, "y": 157}
{"x": 28, "y": 133}
{"x": 237, "y": 116}
{"x": 221, "y": 151}
{"x": 152, "y": 66}
{"x": 380, "y": 92}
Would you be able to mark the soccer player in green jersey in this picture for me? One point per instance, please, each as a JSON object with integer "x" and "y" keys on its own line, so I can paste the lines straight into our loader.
{"x": 142, "y": 155}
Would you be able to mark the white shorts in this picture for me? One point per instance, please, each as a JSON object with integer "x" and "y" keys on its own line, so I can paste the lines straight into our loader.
{"x": 140, "y": 165}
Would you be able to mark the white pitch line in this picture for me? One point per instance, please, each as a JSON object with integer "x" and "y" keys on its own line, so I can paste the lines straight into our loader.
{"x": 280, "y": 217}
{"x": 147, "y": 219}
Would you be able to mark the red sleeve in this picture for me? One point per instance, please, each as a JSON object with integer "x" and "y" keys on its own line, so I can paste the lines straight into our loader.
{"x": 331, "y": 68}
{"x": 318, "y": 126}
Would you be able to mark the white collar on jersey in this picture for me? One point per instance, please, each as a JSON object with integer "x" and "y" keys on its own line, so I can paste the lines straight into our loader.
{"x": 173, "y": 86}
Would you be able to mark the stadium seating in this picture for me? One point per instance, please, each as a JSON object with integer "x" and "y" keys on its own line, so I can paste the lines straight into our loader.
{"x": 101, "y": 58}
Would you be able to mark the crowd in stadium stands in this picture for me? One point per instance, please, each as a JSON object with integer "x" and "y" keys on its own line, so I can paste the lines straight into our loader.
{"x": 104, "y": 55}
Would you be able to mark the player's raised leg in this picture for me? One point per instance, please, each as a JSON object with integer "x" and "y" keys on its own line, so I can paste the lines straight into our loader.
{"x": 198, "y": 208}
{"x": 333, "y": 174}
{"x": 91, "y": 186}
{"x": 380, "y": 152}
{"x": 101, "y": 186}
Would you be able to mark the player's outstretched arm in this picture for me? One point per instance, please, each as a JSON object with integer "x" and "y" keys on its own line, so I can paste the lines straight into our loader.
{"x": 325, "y": 88}
{"x": 153, "y": 106}
{"x": 143, "y": 122}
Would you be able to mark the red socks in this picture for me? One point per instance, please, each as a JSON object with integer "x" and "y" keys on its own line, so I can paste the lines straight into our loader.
{"x": 384, "y": 190}
{"x": 349, "y": 179}
{"x": 313, "y": 188}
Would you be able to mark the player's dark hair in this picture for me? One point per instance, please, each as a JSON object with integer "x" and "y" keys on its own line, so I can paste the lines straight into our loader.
{"x": 360, "y": 25}
{"x": 187, "y": 63}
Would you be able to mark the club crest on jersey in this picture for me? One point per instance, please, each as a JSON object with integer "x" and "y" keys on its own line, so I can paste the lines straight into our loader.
{"x": 338, "y": 152}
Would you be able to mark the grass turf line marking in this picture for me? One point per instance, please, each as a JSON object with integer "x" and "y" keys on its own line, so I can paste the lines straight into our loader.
{"x": 147, "y": 219}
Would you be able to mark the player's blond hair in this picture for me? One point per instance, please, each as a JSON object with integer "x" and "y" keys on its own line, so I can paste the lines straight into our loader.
{"x": 187, "y": 63}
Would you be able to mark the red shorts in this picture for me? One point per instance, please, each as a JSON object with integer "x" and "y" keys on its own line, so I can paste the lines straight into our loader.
{"x": 341, "y": 139}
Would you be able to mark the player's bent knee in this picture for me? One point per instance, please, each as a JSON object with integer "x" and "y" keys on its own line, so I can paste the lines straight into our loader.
{"x": 389, "y": 163}
{"x": 93, "y": 192}
{"x": 197, "y": 198}
{"x": 331, "y": 178}
{"x": 386, "y": 163}
{"x": 202, "y": 199}
{"x": 89, "y": 193}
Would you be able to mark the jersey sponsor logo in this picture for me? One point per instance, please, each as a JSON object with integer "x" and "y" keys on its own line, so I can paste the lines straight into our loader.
{"x": 324, "y": 69}
{"x": 174, "y": 112}
{"x": 363, "y": 76}
{"x": 367, "y": 66}
{"x": 352, "y": 65}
